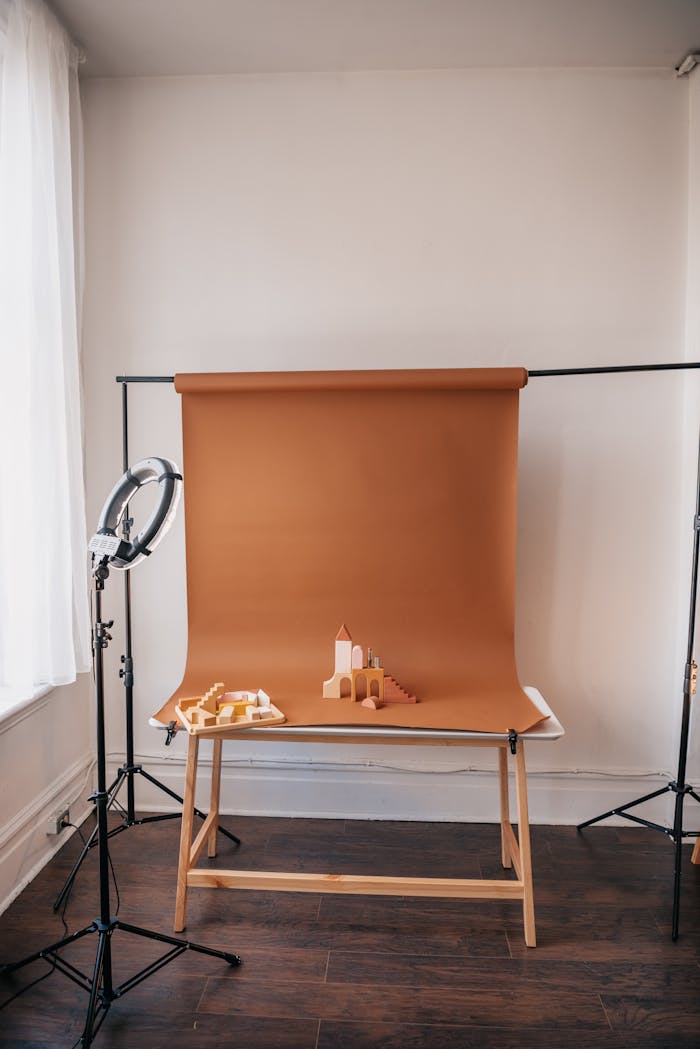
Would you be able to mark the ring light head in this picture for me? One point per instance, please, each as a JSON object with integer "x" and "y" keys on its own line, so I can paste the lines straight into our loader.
{"x": 124, "y": 553}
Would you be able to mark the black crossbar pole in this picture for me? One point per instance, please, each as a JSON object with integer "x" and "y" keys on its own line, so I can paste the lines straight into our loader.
{"x": 145, "y": 378}
{"x": 613, "y": 369}
{"x": 535, "y": 373}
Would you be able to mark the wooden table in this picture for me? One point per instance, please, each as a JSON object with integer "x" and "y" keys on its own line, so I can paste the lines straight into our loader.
{"x": 515, "y": 850}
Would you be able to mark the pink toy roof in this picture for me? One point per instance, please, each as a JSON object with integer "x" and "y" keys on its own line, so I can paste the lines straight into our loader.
{"x": 343, "y": 634}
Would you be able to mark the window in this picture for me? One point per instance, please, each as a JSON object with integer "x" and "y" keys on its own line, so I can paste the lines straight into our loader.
{"x": 44, "y": 621}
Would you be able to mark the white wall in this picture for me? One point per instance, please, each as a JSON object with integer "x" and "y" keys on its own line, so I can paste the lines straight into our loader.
{"x": 406, "y": 220}
{"x": 46, "y": 757}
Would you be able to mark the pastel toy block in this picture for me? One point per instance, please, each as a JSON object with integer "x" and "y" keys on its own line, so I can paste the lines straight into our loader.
{"x": 372, "y": 703}
{"x": 200, "y": 716}
{"x": 226, "y": 715}
{"x": 190, "y": 701}
{"x": 343, "y": 651}
{"x": 216, "y": 691}
{"x": 367, "y": 682}
{"x": 394, "y": 693}
{"x": 357, "y": 660}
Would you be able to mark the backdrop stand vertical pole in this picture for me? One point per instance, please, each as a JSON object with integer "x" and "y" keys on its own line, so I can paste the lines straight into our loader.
{"x": 129, "y": 770}
{"x": 679, "y": 787}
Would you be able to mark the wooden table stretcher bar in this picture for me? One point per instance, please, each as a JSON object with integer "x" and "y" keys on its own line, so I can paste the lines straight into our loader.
{"x": 515, "y": 851}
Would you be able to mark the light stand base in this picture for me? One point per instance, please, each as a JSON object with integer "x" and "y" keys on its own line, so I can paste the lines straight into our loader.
{"x": 100, "y": 986}
{"x": 102, "y": 993}
{"x": 675, "y": 833}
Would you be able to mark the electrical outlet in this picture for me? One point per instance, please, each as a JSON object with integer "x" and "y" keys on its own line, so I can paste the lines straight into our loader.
{"x": 59, "y": 820}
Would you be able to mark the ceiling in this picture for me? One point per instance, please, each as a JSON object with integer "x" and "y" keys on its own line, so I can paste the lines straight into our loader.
{"x": 189, "y": 37}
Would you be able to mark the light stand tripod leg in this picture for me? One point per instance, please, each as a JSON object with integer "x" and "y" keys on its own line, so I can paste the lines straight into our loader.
{"x": 202, "y": 815}
{"x": 98, "y": 1002}
{"x": 89, "y": 844}
{"x": 621, "y": 810}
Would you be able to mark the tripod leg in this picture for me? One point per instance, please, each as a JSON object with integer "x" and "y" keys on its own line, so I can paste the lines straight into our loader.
{"x": 97, "y": 1000}
{"x": 623, "y": 808}
{"x": 5, "y": 970}
{"x": 89, "y": 844}
{"x": 178, "y": 798}
{"x": 174, "y": 941}
{"x": 67, "y": 885}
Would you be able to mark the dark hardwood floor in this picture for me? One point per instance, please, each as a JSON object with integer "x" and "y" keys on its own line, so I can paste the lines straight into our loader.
{"x": 350, "y": 972}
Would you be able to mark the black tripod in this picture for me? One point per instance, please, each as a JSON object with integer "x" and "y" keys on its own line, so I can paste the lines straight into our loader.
{"x": 679, "y": 787}
{"x": 127, "y": 773}
{"x": 99, "y": 986}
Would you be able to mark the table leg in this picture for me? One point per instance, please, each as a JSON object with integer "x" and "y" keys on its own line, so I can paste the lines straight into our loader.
{"x": 186, "y": 832}
{"x": 215, "y": 797}
{"x": 524, "y": 842}
{"x": 505, "y": 805}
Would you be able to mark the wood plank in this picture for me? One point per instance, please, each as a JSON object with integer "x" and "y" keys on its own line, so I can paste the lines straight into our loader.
{"x": 380, "y": 1001}
{"x": 186, "y": 832}
{"x": 214, "y": 799}
{"x": 359, "y": 1034}
{"x": 203, "y": 837}
{"x": 506, "y": 852}
{"x": 466, "y": 888}
{"x": 512, "y": 849}
{"x": 524, "y": 842}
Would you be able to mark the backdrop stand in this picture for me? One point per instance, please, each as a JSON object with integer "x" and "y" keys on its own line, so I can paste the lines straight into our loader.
{"x": 100, "y": 985}
{"x": 679, "y": 786}
{"x": 128, "y": 772}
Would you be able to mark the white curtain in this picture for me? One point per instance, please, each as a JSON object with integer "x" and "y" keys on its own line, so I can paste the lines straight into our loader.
{"x": 44, "y": 615}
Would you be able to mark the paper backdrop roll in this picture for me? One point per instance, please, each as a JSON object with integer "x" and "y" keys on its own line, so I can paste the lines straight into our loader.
{"x": 384, "y": 500}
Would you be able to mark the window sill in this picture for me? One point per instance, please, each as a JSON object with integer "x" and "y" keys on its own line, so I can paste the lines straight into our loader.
{"x": 14, "y": 708}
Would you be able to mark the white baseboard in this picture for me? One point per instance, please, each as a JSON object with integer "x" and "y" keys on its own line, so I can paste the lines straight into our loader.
{"x": 25, "y": 847}
{"x": 331, "y": 790}
{"x": 347, "y": 791}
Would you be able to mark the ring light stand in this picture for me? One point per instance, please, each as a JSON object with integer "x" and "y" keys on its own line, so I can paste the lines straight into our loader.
{"x": 124, "y": 554}
{"x": 108, "y": 550}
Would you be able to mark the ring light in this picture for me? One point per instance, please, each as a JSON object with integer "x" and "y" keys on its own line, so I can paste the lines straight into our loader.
{"x": 123, "y": 553}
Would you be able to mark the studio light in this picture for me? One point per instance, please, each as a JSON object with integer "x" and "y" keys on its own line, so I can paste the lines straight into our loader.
{"x": 122, "y": 553}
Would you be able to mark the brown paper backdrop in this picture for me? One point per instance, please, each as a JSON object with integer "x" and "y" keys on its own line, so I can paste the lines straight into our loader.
{"x": 382, "y": 500}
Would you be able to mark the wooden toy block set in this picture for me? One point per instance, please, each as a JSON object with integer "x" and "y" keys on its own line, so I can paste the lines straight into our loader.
{"x": 357, "y": 677}
{"x": 219, "y": 709}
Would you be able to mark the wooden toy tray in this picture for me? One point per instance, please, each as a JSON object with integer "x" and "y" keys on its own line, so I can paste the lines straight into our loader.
{"x": 238, "y": 723}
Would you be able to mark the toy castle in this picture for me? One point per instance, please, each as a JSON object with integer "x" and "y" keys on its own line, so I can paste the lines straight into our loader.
{"x": 361, "y": 679}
